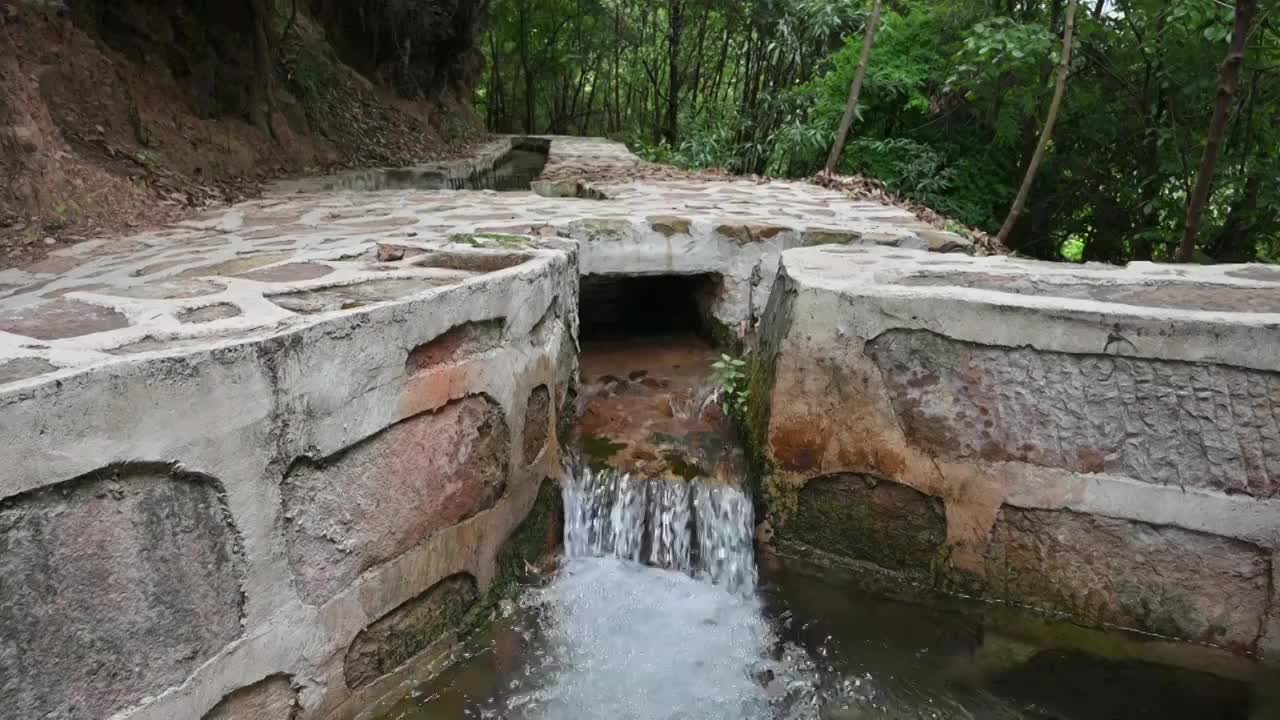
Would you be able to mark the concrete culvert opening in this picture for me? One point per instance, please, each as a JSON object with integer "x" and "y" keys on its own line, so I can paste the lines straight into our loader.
{"x": 619, "y": 307}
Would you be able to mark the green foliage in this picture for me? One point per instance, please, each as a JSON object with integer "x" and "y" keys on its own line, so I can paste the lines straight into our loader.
{"x": 950, "y": 112}
{"x": 734, "y": 393}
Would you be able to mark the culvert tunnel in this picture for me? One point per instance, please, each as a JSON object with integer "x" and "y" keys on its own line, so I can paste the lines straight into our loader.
{"x": 614, "y": 307}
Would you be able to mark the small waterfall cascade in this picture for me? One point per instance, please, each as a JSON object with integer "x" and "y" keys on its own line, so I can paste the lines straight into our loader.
{"x": 698, "y": 528}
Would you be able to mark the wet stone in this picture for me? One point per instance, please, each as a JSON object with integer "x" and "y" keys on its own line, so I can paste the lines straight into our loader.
{"x": 209, "y": 313}
{"x": 864, "y": 518}
{"x": 409, "y": 629}
{"x": 60, "y": 319}
{"x": 23, "y": 368}
{"x": 289, "y": 272}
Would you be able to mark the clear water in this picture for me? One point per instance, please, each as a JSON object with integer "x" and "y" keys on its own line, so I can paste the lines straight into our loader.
{"x": 659, "y": 614}
{"x": 696, "y": 528}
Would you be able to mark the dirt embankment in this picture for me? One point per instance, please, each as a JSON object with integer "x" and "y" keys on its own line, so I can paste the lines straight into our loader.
{"x": 118, "y": 114}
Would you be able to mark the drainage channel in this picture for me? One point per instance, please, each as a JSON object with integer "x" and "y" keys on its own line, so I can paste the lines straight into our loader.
{"x": 661, "y": 609}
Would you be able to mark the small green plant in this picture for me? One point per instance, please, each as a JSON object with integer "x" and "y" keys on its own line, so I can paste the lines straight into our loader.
{"x": 59, "y": 222}
{"x": 733, "y": 384}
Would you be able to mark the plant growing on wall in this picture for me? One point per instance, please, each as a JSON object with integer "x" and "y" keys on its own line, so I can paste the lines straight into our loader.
{"x": 733, "y": 384}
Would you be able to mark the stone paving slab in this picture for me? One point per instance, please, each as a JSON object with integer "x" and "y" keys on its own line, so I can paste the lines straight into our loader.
{"x": 267, "y": 263}
{"x": 306, "y": 249}
{"x": 1209, "y": 313}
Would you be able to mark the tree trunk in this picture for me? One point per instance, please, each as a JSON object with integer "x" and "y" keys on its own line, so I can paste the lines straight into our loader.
{"x": 855, "y": 90}
{"x": 1227, "y": 76}
{"x": 675, "y": 18}
{"x": 1059, "y": 90}
{"x": 525, "y": 70}
{"x": 262, "y": 102}
{"x": 1235, "y": 243}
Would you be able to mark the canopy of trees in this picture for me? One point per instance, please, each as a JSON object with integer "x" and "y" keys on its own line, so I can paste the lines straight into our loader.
{"x": 950, "y": 114}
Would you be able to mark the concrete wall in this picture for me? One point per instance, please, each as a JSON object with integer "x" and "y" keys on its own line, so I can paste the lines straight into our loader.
{"x": 268, "y": 526}
{"x": 1097, "y": 441}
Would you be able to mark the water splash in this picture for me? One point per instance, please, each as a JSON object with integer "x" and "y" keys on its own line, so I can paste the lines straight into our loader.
{"x": 701, "y": 529}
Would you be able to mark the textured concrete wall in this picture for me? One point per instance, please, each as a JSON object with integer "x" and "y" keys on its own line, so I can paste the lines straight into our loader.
{"x": 374, "y": 501}
{"x": 96, "y": 570}
{"x": 227, "y": 527}
{"x": 1083, "y": 440}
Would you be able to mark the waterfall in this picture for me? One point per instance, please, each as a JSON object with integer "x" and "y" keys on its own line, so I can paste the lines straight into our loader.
{"x": 698, "y": 528}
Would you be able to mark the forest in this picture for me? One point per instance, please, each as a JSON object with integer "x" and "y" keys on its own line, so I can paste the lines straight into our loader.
{"x": 1166, "y": 106}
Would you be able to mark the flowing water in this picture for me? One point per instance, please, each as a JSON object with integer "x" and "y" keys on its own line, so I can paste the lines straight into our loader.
{"x": 661, "y": 611}
{"x": 658, "y": 614}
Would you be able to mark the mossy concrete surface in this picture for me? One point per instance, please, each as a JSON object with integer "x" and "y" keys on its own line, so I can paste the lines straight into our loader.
{"x": 409, "y": 629}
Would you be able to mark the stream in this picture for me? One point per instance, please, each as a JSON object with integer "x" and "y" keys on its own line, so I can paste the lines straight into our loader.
{"x": 661, "y": 610}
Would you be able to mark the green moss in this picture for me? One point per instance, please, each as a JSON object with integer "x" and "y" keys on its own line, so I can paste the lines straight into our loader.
{"x": 411, "y": 628}
{"x": 537, "y": 536}
{"x": 813, "y": 238}
{"x": 885, "y": 523}
{"x": 720, "y": 335}
{"x": 754, "y": 426}
{"x": 762, "y": 366}
{"x": 464, "y": 239}
{"x": 682, "y": 466}
{"x": 598, "y": 450}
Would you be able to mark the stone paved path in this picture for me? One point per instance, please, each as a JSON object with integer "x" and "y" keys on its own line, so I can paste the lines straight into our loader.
{"x": 302, "y": 250}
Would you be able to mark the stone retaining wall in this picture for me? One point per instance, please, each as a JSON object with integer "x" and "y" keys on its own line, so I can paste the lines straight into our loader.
{"x": 1086, "y": 440}
{"x": 265, "y": 523}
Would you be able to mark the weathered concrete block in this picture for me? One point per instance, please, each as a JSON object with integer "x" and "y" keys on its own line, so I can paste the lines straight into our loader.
{"x": 1185, "y": 424}
{"x": 272, "y": 698}
{"x": 877, "y": 521}
{"x": 113, "y": 586}
{"x": 1102, "y": 446}
{"x": 374, "y": 501}
{"x": 1168, "y": 581}
{"x": 456, "y": 344}
{"x": 537, "y": 423}
{"x": 409, "y": 629}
